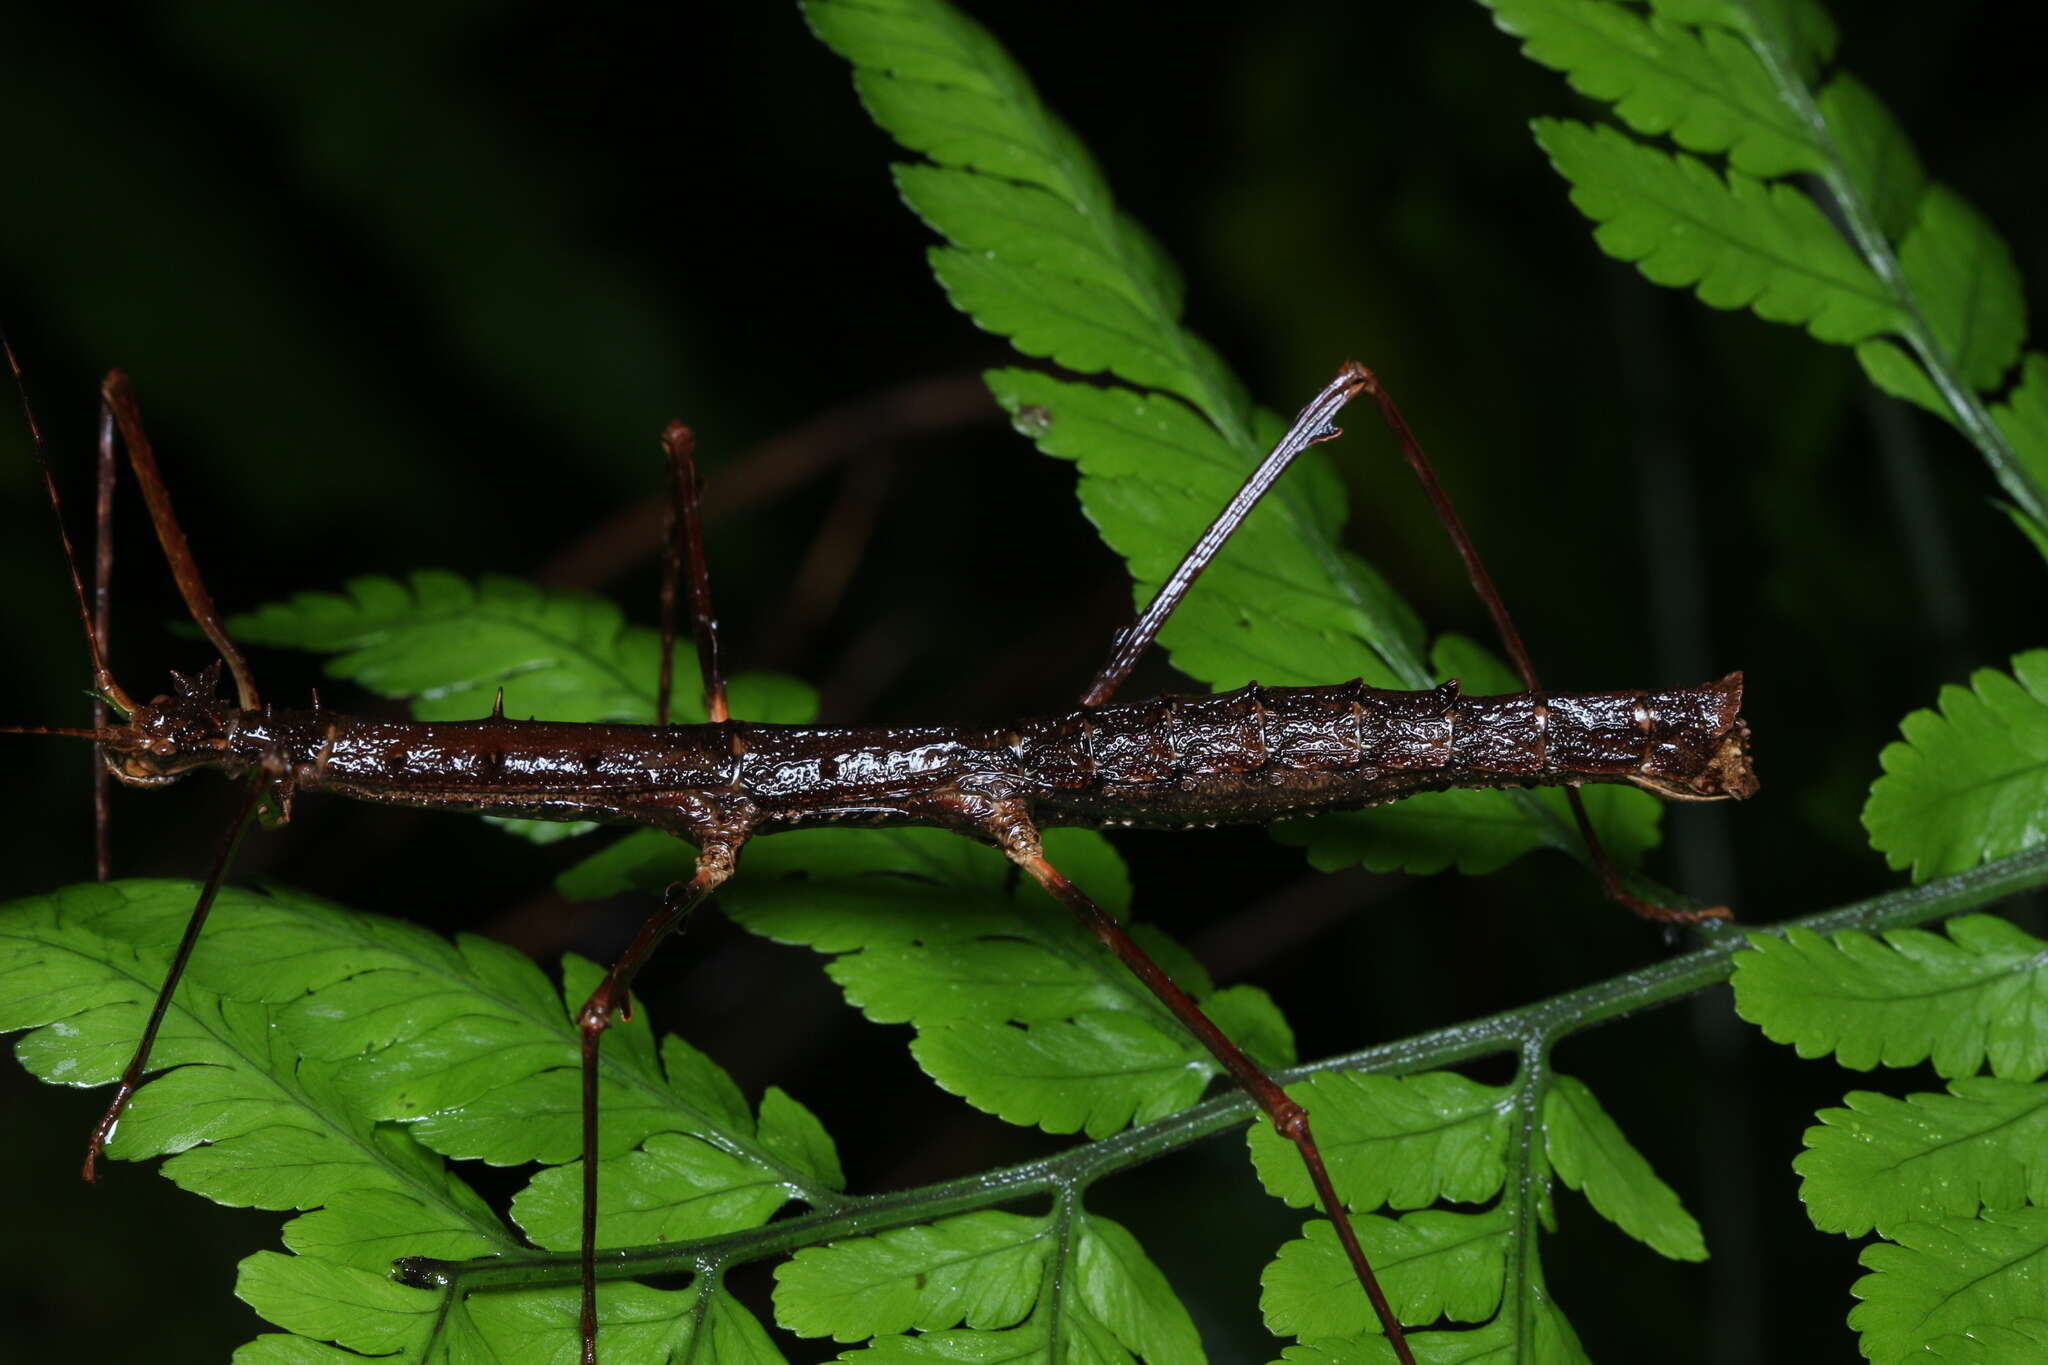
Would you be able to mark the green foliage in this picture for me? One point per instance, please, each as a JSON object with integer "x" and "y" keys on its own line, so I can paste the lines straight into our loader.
{"x": 990, "y": 1272}
{"x": 1736, "y": 241}
{"x": 452, "y": 648}
{"x": 446, "y": 645}
{"x": 1411, "y": 1142}
{"x": 1591, "y": 1155}
{"x": 349, "y": 1055}
{"x": 1912, "y": 263}
{"x": 1969, "y": 782}
{"x": 1922, "y": 285}
{"x": 1038, "y": 252}
{"x": 322, "y": 1060}
{"x": 1957, "y": 1001}
{"x": 1988, "y": 1344}
{"x": 333, "y": 1063}
{"x": 1882, "y": 1161}
{"x": 1952, "y": 1276}
{"x": 1950, "y": 1180}
{"x": 1016, "y": 1007}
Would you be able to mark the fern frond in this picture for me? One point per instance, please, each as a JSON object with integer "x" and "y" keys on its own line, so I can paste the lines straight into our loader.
{"x": 1950, "y": 1181}
{"x": 1912, "y": 261}
{"x": 1950, "y": 1277}
{"x": 1959, "y": 1000}
{"x": 1737, "y": 241}
{"x": 1017, "y": 1008}
{"x": 1405, "y": 1141}
{"x": 992, "y": 1274}
{"x": 1409, "y": 1142}
{"x": 1589, "y": 1154}
{"x": 447, "y": 643}
{"x": 267, "y": 1098}
{"x": 322, "y": 1006}
{"x": 1883, "y": 1162}
{"x": 1040, "y": 253}
{"x": 1703, "y": 88}
{"x": 1969, "y": 782}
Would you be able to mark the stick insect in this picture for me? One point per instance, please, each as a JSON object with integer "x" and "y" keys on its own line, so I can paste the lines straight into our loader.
{"x": 1173, "y": 762}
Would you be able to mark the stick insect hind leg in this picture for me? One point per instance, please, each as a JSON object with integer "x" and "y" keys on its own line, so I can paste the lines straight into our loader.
{"x": 1009, "y": 825}
{"x": 1312, "y": 426}
{"x": 1511, "y": 641}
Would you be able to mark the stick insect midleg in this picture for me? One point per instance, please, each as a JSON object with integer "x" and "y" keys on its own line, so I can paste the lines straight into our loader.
{"x": 1173, "y": 762}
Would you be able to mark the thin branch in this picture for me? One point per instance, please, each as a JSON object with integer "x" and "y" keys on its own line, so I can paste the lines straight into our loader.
{"x": 1529, "y": 1030}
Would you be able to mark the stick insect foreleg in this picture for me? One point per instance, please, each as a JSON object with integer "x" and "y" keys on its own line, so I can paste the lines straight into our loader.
{"x": 102, "y": 622}
{"x": 119, "y": 412}
{"x": 119, "y": 395}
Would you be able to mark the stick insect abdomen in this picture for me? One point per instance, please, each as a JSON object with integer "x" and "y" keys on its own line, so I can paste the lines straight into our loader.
{"x": 1261, "y": 754}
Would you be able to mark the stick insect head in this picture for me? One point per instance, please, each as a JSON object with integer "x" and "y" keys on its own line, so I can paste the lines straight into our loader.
{"x": 167, "y": 737}
{"x": 163, "y": 739}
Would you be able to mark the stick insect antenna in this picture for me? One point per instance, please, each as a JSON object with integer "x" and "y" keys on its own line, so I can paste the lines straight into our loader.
{"x": 120, "y": 398}
{"x": 102, "y": 627}
{"x": 102, "y": 680}
{"x": 97, "y": 734}
{"x": 684, "y": 515}
{"x": 1312, "y": 426}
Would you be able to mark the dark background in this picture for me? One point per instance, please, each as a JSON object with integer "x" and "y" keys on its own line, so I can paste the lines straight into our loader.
{"x": 417, "y": 288}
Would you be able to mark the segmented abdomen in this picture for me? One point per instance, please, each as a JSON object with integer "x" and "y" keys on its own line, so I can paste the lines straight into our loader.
{"x": 1259, "y": 754}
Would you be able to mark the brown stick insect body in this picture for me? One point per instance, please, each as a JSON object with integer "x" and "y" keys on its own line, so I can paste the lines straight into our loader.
{"x": 1250, "y": 756}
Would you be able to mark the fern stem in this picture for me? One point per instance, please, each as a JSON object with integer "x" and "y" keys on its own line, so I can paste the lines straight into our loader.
{"x": 1524, "y": 1190}
{"x": 1531, "y": 1030}
{"x": 1971, "y": 416}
